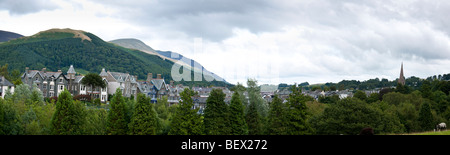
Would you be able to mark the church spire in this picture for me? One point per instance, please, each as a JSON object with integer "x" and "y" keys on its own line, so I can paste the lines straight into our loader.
{"x": 401, "y": 80}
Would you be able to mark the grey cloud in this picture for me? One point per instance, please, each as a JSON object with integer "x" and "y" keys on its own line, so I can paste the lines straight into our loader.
{"x": 366, "y": 35}
{"x": 18, "y": 7}
{"x": 213, "y": 20}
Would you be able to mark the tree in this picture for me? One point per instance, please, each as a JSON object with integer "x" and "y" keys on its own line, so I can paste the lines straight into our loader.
{"x": 164, "y": 114}
{"x": 4, "y": 72}
{"x": 262, "y": 108}
{"x": 425, "y": 89}
{"x": 425, "y": 117}
{"x": 277, "y": 119}
{"x": 145, "y": 120}
{"x": 348, "y": 116}
{"x": 36, "y": 95}
{"x": 383, "y": 92}
{"x": 404, "y": 89}
{"x": 116, "y": 119}
{"x": 237, "y": 118}
{"x": 408, "y": 115}
{"x": 186, "y": 121}
{"x": 216, "y": 114}
{"x": 2, "y": 115}
{"x": 253, "y": 119}
{"x": 297, "y": 117}
{"x": 10, "y": 119}
{"x": 360, "y": 95}
{"x": 373, "y": 98}
{"x": 94, "y": 80}
{"x": 67, "y": 119}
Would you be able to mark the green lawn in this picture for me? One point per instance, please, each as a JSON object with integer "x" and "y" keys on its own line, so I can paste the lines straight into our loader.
{"x": 445, "y": 132}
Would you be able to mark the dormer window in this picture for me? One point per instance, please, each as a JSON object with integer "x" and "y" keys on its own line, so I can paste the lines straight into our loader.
{"x": 36, "y": 78}
{"x": 60, "y": 80}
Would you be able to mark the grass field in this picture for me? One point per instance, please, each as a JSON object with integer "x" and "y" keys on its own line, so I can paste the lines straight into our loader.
{"x": 445, "y": 132}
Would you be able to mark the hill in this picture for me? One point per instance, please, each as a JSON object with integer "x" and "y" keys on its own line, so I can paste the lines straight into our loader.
{"x": 6, "y": 36}
{"x": 169, "y": 55}
{"x": 59, "y": 48}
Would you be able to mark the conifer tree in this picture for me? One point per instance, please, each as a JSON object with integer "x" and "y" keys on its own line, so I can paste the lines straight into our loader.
{"x": 216, "y": 114}
{"x": 253, "y": 119}
{"x": 116, "y": 119}
{"x": 145, "y": 119}
{"x": 425, "y": 117}
{"x": 238, "y": 126}
{"x": 297, "y": 124}
{"x": 186, "y": 121}
{"x": 277, "y": 117}
{"x": 2, "y": 115}
{"x": 67, "y": 118}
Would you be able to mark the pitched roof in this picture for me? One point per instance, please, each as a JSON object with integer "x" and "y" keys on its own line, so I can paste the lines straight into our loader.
{"x": 4, "y": 82}
{"x": 71, "y": 70}
{"x": 32, "y": 73}
{"x": 78, "y": 78}
{"x": 119, "y": 77}
{"x": 158, "y": 83}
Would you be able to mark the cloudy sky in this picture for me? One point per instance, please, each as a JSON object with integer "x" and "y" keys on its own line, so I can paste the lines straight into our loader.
{"x": 274, "y": 41}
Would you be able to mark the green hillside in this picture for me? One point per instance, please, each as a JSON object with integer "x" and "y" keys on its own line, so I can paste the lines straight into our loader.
{"x": 59, "y": 48}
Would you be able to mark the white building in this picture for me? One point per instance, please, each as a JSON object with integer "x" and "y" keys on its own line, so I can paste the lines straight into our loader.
{"x": 5, "y": 85}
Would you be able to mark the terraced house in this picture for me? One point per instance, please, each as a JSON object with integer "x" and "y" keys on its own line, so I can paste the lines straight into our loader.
{"x": 53, "y": 83}
{"x": 50, "y": 83}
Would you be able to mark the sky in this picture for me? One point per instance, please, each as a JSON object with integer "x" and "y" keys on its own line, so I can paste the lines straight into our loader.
{"x": 273, "y": 41}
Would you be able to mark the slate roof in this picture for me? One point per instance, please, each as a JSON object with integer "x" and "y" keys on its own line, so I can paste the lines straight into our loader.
{"x": 121, "y": 77}
{"x": 78, "y": 78}
{"x": 32, "y": 73}
{"x": 158, "y": 83}
{"x": 4, "y": 82}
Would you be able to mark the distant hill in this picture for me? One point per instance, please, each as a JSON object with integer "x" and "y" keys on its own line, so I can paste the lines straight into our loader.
{"x": 59, "y": 48}
{"x": 6, "y": 36}
{"x": 133, "y": 44}
{"x": 171, "y": 56}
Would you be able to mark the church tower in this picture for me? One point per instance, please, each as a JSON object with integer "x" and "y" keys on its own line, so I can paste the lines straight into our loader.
{"x": 401, "y": 80}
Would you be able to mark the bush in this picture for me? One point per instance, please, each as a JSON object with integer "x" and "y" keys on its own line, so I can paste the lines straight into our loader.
{"x": 97, "y": 102}
{"x": 85, "y": 98}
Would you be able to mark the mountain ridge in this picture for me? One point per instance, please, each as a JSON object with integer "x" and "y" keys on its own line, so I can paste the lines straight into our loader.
{"x": 58, "y": 49}
{"x": 7, "y": 36}
{"x": 171, "y": 56}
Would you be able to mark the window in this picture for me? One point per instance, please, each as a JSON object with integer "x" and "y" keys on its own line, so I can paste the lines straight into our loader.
{"x": 60, "y": 79}
{"x": 44, "y": 86}
{"x": 103, "y": 97}
{"x": 36, "y": 78}
{"x": 61, "y": 87}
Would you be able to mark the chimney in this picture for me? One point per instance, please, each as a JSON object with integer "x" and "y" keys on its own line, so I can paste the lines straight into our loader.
{"x": 135, "y": 78}
{"x": 44, "y": 70}
{"x": 27, "y": 70}
{"x": 59, "y": 71}
{"x": 149, "y": 77}
{"x": 158, "y": 76}
{"x": 171, "y": 82}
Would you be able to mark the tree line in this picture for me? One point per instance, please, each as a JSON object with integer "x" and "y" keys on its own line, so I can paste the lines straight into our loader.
{"x": 26, "y": 112}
